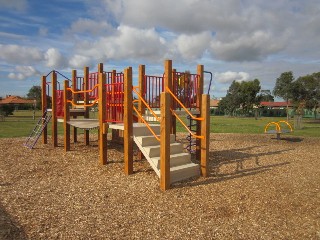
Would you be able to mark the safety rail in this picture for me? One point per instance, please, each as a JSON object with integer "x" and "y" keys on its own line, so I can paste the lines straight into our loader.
{"x": 146, "y": 123}
{"x": 139, "y": 114}
{"x": 84, "y": 105}
{"x": 186, "y": 127}
{"x": 181, "y": 104}
{"x": 185, "y": 85}
{"x": 153, "y": 86}
{"x": 114, "y": 102}
{"x": 144, "y": 102}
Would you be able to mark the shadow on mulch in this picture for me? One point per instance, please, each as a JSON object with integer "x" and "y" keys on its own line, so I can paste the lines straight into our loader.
{"x": 236, "y": 156}
{"x": 9, "y": 229}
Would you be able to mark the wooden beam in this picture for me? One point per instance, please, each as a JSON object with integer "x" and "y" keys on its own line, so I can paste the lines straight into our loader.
{"x": 66, "y": 117}
{"x": 54, "y": 110}
{"x": 86, "y": 101}
{"x": 128, "y": 122}
{"x": 165, "y": 102}
{"x": 199, "y": 92}
{"x": 44, "y": 107}
{"x": 103, "y": 126}
{"x": 168, "y": 84}
{"x": 100, "y": 68}
{"x": 141, "y": 106}
{"x": 74, "y": 100}
{"x": 205, "y": 131}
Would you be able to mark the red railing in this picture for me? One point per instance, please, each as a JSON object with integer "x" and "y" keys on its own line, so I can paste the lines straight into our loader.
{"x": 114, "y": 102}
{"x": 152, "y": 88}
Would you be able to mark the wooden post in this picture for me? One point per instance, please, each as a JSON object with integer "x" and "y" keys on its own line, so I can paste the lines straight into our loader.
{"x": 168, "y": 84}
{"x": 66, "y": 117}
{"x": 205, "y": 131}
{"x": 103, "y": 126}
{"x": 142, "y": 72}
{"x": 128, "y": 122}
{"x": 54, "y": 110}
{"x": 44, "y": 107}
{"x": 165, "y": 103}
{"x": 174, "y": 90}
{"x": 86, "y": 101}
{"x": 100, "y": 68}
{"x": 199, "y": 92}
{"x": 74, "y": 100}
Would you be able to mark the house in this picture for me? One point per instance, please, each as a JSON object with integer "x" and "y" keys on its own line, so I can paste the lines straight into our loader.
{"x": 17, "y": 102}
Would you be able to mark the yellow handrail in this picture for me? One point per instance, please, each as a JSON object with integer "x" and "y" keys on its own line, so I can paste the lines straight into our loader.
{"x": 186, "y": 127}
{"x": 181, "y": 104}
{"x": 83, "y": 105}
{"x": 275, "y": 123}
{"x": 283, "y": 121}
{"x": 83, "y": 91}
{"x": 146, "y": 123}
{"x": 145, "y": 103}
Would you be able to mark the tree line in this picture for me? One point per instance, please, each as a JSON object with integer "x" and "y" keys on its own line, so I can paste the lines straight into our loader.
{"x": 246, "y": 96}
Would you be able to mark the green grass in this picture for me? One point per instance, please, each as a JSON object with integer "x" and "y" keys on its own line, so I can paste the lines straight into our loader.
{"x": 21, "y": 123}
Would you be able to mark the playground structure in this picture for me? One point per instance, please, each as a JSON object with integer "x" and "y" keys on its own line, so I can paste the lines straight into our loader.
{"x": 280, "y": 127}
{"x": 145, "y": 114}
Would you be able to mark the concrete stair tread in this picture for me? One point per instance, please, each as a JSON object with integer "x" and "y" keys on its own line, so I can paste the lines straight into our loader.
{"x": 151, "y": 140}
{"x": 175, "y": 159}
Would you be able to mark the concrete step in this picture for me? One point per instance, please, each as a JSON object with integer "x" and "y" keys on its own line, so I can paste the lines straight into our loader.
{"x": 151, "y": 140}
{"x": 154, "y": 151}
{"x": 183, "y": 172}
{"x": 175, "y": 159}
{"x": 142, "y": 130}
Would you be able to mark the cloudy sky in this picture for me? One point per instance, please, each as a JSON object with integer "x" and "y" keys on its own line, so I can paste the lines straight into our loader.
{"x": 234, "y": 39}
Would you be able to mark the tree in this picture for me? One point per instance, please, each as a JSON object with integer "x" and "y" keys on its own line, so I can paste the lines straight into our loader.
{"x": 35, "y": 93}
{"x": 232, "y": 100}
{"x": 249, "y": 95}
{"x": 266, "y": 96}
{"x": 306, "y": 92}
{"x": 244, "y": 95}
{"x": 283, "y": 88}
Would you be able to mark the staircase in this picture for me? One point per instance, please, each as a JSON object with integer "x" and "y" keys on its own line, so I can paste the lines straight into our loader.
{"x": 181, "y": 166}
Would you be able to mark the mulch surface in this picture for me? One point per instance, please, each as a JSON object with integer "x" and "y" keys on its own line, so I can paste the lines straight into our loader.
{"x": 258, "y": 188}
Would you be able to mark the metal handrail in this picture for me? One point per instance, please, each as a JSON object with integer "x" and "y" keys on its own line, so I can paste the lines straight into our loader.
{"x": 186, "y": 127}
{"x": 181, "y": 104}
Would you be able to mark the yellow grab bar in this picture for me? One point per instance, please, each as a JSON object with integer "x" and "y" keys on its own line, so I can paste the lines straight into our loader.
{"x": 146, "y": 123}
{"x": 180, "y": 103}
{"x": 186, "y": 127}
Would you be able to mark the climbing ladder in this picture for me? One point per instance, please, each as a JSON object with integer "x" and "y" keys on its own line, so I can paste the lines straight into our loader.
{"x": 37, "y": 131}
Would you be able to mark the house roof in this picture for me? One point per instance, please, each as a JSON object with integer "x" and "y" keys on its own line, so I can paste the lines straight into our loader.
{"x": 16, "y": 100}
{"x": 214, "y": 102}
{"x": 275, "y": 104}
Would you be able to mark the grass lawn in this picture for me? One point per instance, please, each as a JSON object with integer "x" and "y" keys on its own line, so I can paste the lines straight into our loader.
{"x": 21, "y": 123}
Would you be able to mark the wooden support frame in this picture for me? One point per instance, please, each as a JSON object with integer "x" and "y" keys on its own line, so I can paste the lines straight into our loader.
{"x": 44, "y": 107}
{"x": 54, "y": 126}
{"x": 142, "y": 73}
{"x": 66, "y": 117}
{"x": 205, "y": 131}
{"x": 200, "y": 69}
{"x": 128, "y": 122}
{"x": 103, "y": 126}
{"x": 168, "y": 84}
{"x": 86, "y": 101}
{"x": 74, "y": 100}
{"x": 165, "y": 103}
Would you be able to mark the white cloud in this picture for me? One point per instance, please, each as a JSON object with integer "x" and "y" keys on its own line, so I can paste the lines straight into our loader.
{"x": 229, "y": 76}
{"x": 23, "y": 72}
{"x": 191, "y": 47}
{"x": 127, "y": 43}
{"x": 78, "y": 61}
{"x": 19, "y": 54}
{"x": 90, "y": 27}
{"x": 54, "y": 58}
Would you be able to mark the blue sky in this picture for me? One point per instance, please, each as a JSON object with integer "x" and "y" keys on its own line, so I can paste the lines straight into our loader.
{"x": 234, "y": 39}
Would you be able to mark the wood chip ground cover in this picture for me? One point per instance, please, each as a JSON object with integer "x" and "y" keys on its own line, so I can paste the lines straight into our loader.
{"x": 258, "y": 188}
